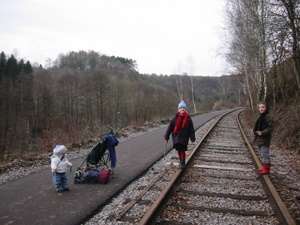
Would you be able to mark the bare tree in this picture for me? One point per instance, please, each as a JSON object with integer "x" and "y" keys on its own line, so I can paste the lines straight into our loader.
{"x": 191, "y": 72}
{"x": 286, "y": 32}
{"x": 248, "y": 44}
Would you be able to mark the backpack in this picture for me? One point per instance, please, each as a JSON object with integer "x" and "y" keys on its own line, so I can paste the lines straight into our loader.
{"x": 90, "y": 177}
{"x": 104, "y": 176}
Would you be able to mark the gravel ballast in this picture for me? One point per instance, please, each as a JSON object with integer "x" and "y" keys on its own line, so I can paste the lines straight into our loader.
{"x": 285, "y": 175}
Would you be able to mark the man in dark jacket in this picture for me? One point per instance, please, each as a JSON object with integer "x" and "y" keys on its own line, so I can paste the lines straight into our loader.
{"x": 182, "y": 129}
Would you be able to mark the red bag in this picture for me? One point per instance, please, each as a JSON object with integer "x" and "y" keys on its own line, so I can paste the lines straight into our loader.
{"x": 104, "y": 176}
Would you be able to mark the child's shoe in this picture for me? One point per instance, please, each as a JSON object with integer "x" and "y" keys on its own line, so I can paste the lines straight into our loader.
{"x": 66, "y": 189}
{"x": 266, "y": 169}
{"x": 182, "y": 163}
{"x": 59, "y": 190}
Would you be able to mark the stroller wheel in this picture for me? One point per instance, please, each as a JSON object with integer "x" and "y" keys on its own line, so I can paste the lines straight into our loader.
{"x": 78, "y": 174}
{"x": 111, "y": 170}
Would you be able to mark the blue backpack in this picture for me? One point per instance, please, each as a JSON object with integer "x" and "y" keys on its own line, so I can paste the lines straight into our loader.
{"x": 93, "y": 177}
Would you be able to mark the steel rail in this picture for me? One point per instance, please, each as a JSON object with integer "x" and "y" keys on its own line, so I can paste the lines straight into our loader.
{"x": 282, "y": 213}
{"x": 143, "y": 192}
{"x": 157, "y": 207}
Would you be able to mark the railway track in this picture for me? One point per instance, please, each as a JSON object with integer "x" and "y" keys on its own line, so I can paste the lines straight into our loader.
{"x": 219, "y": 185}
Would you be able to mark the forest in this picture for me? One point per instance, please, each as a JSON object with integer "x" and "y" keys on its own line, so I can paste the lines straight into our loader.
{"x": 263, "y": 47}
{"x": 76, "y": 96}
{"x": 74, "y": 99}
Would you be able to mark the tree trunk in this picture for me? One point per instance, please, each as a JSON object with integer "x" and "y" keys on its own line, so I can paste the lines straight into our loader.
{"x": 291, "y": 8}
{"x": 193, "y": 96}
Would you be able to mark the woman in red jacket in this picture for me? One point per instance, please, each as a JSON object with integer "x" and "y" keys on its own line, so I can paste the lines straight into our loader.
{"x": 182, "y": 129}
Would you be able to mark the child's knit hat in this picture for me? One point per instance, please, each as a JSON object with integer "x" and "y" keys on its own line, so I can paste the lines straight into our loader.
{"x": 59, "y": 150}
{"x": 182, "y": 105}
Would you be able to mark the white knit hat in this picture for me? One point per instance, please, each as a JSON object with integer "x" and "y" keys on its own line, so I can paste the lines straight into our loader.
{"x": 59, "y": 150}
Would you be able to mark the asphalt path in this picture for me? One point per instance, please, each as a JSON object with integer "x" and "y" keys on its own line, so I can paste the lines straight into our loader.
{"x": 32, "y": 200}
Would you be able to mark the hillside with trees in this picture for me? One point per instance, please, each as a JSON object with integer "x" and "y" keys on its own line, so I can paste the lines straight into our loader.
{"x": 77, "y": 95}
{"x": 263, "y": 48}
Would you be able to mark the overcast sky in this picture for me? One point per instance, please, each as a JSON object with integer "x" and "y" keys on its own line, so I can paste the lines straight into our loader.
{"x": 163, "y": 36}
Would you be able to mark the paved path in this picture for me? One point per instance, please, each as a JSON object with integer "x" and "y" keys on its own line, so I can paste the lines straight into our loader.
{"x": 32, "y": 200}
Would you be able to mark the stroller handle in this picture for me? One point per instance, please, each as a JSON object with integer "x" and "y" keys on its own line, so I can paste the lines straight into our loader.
{"x": 111, "y": 129}
{"x": 120, "y": 128}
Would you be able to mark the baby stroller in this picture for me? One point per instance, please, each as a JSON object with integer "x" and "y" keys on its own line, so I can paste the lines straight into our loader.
{"x": 97, "y": 168}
